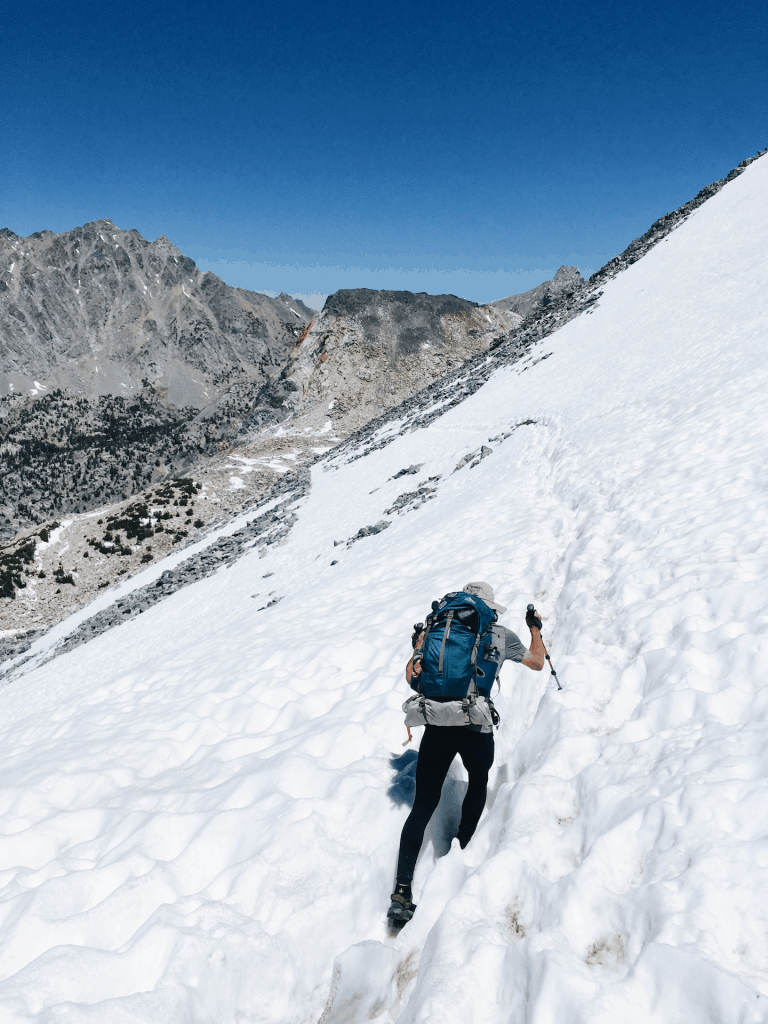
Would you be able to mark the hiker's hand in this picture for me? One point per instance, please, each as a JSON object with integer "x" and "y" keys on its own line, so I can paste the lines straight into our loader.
{"x": 532, "y": 620}
{"x": 413, "y": 668}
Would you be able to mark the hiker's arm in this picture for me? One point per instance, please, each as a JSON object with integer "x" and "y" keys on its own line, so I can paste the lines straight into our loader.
{"x": 536, "y": 658}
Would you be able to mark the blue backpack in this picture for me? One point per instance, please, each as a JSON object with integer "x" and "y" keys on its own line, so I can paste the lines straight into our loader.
{"x": 457, "y": 649}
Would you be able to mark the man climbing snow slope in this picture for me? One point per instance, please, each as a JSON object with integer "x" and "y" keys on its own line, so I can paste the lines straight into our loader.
{"x": 455, "y": 662}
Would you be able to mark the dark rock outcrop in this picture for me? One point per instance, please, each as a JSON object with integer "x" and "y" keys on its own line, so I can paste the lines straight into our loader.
{"x": 400, "y": 321}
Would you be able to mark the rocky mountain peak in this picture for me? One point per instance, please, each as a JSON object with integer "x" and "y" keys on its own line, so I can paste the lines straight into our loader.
{"x": 567, "y": 279}
{"x": 100, "y": 310}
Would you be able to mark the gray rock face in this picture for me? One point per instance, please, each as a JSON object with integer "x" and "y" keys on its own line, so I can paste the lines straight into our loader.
{"x": 400, "y": 321}
{"x": 120, "y": 364}
{"x": 566, "y": 280}
{"x": 99, "y": 310}
{"x": 368, "y": 350}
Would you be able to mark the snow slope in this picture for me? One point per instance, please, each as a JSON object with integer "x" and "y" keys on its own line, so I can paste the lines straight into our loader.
{"x": 200, "y": 813}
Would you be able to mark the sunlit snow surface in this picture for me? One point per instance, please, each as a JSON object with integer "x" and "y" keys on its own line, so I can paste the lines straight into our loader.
{"x": 199, "y": 817}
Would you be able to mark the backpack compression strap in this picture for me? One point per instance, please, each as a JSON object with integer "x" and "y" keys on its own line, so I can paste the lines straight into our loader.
{"x": 446, "y": 634}
{"x": 471, "y": 698}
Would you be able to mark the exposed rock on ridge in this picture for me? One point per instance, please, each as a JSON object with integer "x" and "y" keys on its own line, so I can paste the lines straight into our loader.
{"x": 567, "y": 279}
{"x": 403, "y": 322}
{"x": 64, "y": 456}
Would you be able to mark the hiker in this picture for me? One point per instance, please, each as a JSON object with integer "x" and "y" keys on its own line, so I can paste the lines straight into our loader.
{"x": 455, "y": 662}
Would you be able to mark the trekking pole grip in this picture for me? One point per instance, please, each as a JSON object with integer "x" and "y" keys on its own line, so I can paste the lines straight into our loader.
{"x": 531, "y": 614}
{"x": 531, "y": 618}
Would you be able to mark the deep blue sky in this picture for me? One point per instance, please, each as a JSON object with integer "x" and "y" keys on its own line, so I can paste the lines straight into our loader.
{"x": 448, "y": 146}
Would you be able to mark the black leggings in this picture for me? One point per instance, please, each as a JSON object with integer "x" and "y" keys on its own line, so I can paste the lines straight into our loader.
{"x": 438, "y": 748}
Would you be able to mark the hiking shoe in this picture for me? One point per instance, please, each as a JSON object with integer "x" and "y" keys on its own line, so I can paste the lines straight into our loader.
{"x": 401, "y": 908}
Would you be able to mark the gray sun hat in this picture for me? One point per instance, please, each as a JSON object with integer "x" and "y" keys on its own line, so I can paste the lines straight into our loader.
{"x": 485, "y": 592}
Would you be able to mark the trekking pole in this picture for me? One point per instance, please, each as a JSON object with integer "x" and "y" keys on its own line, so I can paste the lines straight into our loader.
{"x": 546, "y": 654}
